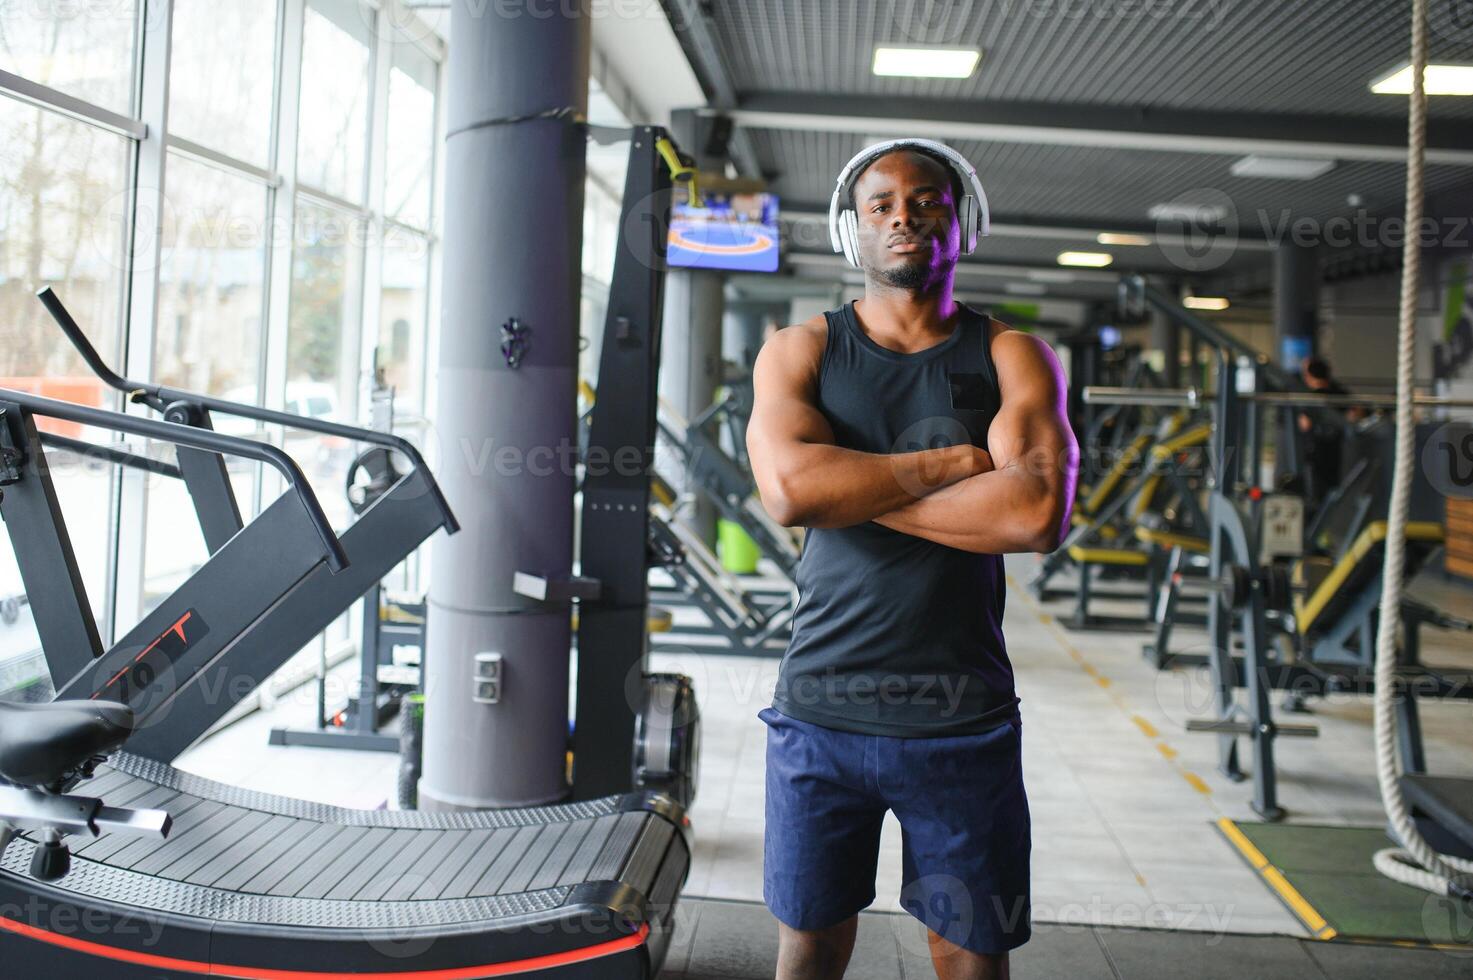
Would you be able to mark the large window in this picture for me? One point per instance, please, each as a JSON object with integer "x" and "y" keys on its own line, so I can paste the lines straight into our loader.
{"x": 81, "y": 49}
{"x": 332, "y": 136}
{"x": 601, "y": 213}
{"x": 63, "y": 197}
{"x": 408, "y": 202}
{"x": 222, "y": 76}
{"x": 410, "y": 158}
{"x": 208, "y": 337}
{"x": 256, "y": 177}
{"x": 402, "y": 309}
{"x": 211, "y": 282}
{"x": 63, "y": 190}
{"x": 322, "y": 352}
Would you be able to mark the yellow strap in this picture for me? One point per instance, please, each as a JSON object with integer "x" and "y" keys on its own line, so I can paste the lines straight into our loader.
{"x": 663, "y": 493}
{"x": 679, "y": 172}
{"x": 1116, "y": 473}
{"x": 1145, "y": 495}
{"x": 1197, "y": 435}
{"x": 658, "y": 619}
{"x": 1306, "y": 611}
{"x": 1173, "y": 539}
{"x": 1107, "y": 556}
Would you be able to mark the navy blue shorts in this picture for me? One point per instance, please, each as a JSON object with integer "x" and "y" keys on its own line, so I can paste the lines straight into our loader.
{"x": 963, "y": 816}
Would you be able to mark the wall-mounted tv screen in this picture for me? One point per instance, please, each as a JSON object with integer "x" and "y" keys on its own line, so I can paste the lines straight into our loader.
{"x": 730, "y": 231}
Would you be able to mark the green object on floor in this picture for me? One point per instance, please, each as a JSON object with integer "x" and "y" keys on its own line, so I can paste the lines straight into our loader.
{"x": 1330, "y": 867}
{"x": 737, "y": 550}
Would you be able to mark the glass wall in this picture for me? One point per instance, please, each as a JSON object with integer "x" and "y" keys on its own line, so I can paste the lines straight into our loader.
{"x": 332, "y": 137}
{"x": 212, "y": 277}
{"x": 222, "y": 76}
{"x": 80, "y": 49}
{"x": 602, "y": 194}
{"x": 63, "y": 196}
{"x": 297, "y": 152}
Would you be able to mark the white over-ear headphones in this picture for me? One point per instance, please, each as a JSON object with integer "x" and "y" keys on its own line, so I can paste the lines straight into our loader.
{"x": 971, "y": 210}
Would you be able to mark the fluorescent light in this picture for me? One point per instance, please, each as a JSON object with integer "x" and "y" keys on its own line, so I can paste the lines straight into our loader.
{"x": 1281, "y": 168}
{"x": 1116, "y": 238}
{"x": 1050, "y": 275}
{"x": 1184, "y": 211}
{"x": 926, "y": 62}
{"x": 1205, "y": 302}
{"x": 1436, "y": 80}
{"x": 1023, "y": 288}
{"x": 1088, "y": 260}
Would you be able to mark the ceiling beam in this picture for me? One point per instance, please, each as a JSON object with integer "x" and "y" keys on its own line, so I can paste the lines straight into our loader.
{"x": 1063, "y": 229}
{"x": 976, "y": 268}
{"x": 694, "y": 26}
{"x": 1450, "y": 142}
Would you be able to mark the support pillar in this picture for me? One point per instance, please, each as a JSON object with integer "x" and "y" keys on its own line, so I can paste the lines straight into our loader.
{"x": 1166, "y": 337}
{"x": 1296, "y": 303}
{"x": 506, "y": 434}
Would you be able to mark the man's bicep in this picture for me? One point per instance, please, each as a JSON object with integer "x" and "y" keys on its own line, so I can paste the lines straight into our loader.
{"x": 784, "y": 416}
{"x": 783, "y": 409}
{"x": 1032, "y": 422}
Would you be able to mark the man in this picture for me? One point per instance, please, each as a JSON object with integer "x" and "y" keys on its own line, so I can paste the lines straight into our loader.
{"x": 1324, "y": 429}
{"x": 917, "y": 440}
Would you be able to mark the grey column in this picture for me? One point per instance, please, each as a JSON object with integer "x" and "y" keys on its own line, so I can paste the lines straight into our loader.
{"x": 1296, "y": 303}
{"x": 742, "y": 329}
{"x": 690, "y": 358}
{"x": 1166, "y": 337}
{"x": 513, "y": 233}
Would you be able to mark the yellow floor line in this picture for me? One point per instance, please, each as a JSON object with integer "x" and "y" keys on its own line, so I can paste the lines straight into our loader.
{"x": 1146, "y": 728}
{"x": 1195, "y": 781}
{"x": 1275, "y": 879}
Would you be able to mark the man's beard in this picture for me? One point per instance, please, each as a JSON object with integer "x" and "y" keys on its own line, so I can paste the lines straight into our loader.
{"x": 911, "y": 275}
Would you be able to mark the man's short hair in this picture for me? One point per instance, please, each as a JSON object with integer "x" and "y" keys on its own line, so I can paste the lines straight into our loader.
{"x": 1317, "y": 368}
{"x": 957, "y": 190}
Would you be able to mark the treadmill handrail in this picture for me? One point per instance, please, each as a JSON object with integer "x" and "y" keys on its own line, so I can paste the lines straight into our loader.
{"x": 203, "y": 439}
{"x": 162, "y": 395}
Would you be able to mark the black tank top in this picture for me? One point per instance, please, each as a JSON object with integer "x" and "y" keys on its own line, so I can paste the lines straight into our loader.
{"x": 894, "y": 634}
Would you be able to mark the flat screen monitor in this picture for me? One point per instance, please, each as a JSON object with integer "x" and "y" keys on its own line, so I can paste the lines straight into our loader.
{"x": 736, "y": 232}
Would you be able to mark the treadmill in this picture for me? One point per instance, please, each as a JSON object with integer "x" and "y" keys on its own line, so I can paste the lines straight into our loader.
{"x": 171, "y": 875}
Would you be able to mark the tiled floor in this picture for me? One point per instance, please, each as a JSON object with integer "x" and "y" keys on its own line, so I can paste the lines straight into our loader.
{"x": 721, "y": 940}
{"x": 1123, "y": 800}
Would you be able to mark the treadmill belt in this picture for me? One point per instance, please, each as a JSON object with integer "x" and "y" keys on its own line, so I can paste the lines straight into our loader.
{"x": 228, "y": 843}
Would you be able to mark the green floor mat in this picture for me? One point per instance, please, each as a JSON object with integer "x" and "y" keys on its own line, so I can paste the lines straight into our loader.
{"x": 1330, "y": 870}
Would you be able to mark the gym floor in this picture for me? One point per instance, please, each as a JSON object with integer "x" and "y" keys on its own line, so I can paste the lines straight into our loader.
{"x": 1134, "y": 872}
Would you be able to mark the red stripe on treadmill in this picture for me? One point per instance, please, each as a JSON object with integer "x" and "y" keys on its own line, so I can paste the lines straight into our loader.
{"x": 509, "y": 968}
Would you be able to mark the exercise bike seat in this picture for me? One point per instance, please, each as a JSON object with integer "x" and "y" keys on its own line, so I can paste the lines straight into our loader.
{"x": 41, "y": 745}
